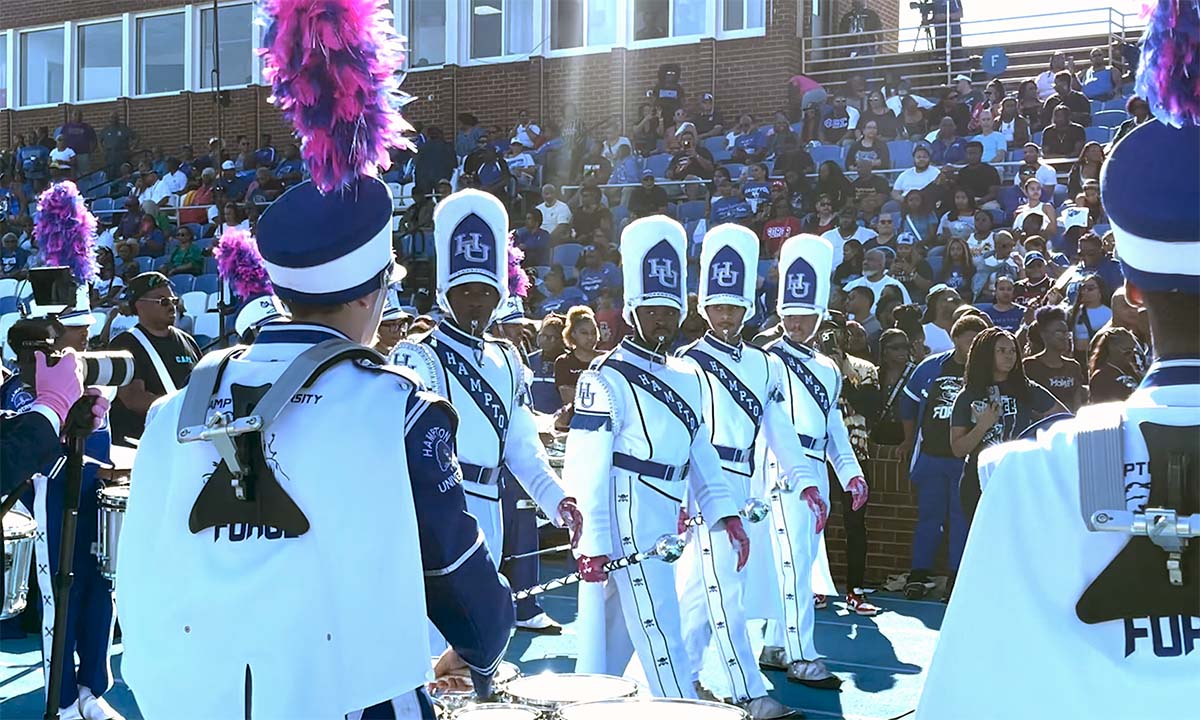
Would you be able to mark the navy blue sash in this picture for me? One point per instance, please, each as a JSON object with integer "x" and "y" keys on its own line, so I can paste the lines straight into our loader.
{"x": 484, "y": 395}
{"x": 741, "y": 394}
{"x": 811, "y": 382}
{"x": 659, "y": 390}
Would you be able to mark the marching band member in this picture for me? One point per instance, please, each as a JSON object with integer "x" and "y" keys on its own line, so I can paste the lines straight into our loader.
{"x": 812, "y": 386}
{"x": 1094, "y": 519}
{"x": 483, "y": 376}
{"x": 745, "y": 400}
{"x": 240, "y": 267}
{"x": 277, "y": 534}
{"x": 637, "y": 443}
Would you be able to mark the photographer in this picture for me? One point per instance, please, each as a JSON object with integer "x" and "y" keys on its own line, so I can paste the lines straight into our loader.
{"x": 693, "y": 160}
{"x": 938, "y": 12}
{"x": 163, "y": 354}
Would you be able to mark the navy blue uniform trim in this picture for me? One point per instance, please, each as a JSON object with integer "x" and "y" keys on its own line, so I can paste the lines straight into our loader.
{"x": 806, "y": 376}
{"x": 660, "y": 391}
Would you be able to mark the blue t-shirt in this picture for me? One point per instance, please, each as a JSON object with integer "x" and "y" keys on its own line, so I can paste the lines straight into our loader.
{"x": 536, "y": 245}
{"x": 751, "y": 141}
{"x": 953, "y": 152}
{"x": 1009, "y": 320}
{"x": 10, "y": 206}
{"x": 290, "y": 167}
{"x": 730, "y": 210}
{"x": 567, "y": 299}
{"x": 593, "y": 280}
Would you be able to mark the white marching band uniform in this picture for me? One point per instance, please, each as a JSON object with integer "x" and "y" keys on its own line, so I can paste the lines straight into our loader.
{"x": 745, "y": 402}
{"x": 637, "y": 446}
{"x": 1078, "y": 618}
{"x": 811, "y": 387}
{"x": 483, "y": 377}
{"x": 246, "y": 619}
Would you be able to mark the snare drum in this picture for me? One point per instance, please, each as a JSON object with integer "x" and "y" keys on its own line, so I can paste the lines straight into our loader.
{"x": 112, "y": 501}
{"x": 497, "y": 712}
{"x": 451, "y": 702}
{"x": 652, "y": 709}
{"x": 19, "y": 533}
{"x": 550, "y": 692}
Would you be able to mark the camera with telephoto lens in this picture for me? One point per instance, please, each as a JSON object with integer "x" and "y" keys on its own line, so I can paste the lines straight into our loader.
{"x": 55, "y": 291}
{"x": 925, "y": 8}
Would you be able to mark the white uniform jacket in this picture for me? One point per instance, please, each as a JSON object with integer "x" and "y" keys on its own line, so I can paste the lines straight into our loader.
{"x": 639, "y": 413}
{"x": 1028, "y": 560}
{"x": 484, "y": 379}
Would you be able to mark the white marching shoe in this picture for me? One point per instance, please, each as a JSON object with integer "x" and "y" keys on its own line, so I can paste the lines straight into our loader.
{"x": 814, "y": 674}
{"x": 768, "y": 708}
{"x": 542, "y": 624}
{"x": 70, "y": 712}
{"x": 94, "y": 708}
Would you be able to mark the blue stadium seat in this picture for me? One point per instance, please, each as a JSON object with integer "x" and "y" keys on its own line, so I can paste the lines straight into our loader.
{"x": 1109, "y": 118}
{"x": 1097, "y": 134}
{"x": 717, "y": 146}
{"x": 764, "y": 267}
{"x": 207, "y": 283}
{"x": 145, "y": 263}
{"x": 158, "y": 263}
{"x": 824, "y": 153}
{"x": 566, "y": 254}
{"x": 658, "y": 164}
{"x": 210, "y": 266}
{"x": 102, "y": 207}
{"x": 1114, "y": 104}
{"x": 735, "y": 170}
{"x": 1097, "y": 106}
{"x": 182, "y": 283}
{"x": 692, "y": 210}
{"x": 1036, "y": 138}
{"x": 1016, "y": 155}
{"x": 619, "y": 214}
{"x": 901, "y": 153}
{"x": 1060, "y": 195}
{"x": 1010, "y": 198}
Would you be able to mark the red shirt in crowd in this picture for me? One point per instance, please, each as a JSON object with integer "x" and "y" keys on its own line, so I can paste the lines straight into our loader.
{"x": 776, "y": 231}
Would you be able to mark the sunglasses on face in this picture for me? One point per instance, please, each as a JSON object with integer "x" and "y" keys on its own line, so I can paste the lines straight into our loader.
{"x": 169, "y": 301}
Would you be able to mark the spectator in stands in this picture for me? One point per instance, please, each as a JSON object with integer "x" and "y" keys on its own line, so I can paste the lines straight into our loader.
{"x": 968, "y": 94}
{"x": 597, "y": 274}
{"x": 1098, "y": 81}
{"x": 1029, "y": 106}
{"x": 580, "y": 336}
{"x": 108, "y": 285}
{"x": 62, "y": 158}
{"x": 747, "y": 142}
{"x": 163, "y": 355}
{"x": 709, "y": 121}
{"x": 895, "y": 367}
{"x": 1112, "y": 368}
{"x": 1044, "y": 83}
{"x": 823, "y": 219}
{"x": 958, "y": 268}
{"x": 1011, "y": 125}
{"x": 940, "y": 303}
{"x": 886, "y": 123}
{"x": 871, "y": 146}
{"x": 82, "y": 140}
{"x": 917, "y": 177}
{"x": 557, "y": 296}
{"x": 556, "y": 216}
{"x": 1089, "y": 313}
{"x": 757, "y": 188}
{"x": 861, "y": 26}
{"x": 729, "y": 205}
{"x": 469, "y": 132}
{"x": 591, "y": 215}
{"x": 839, "y": 122}
{"x": 670, "y": 136}
{"x": 946, "y": 146}
{"x": 1037, "y": 282}
{"x": 912, "y": 122}
{"x": 435, "y": 162}
{"x": 264, "y": 156}
{"x": 533, "y": 240}
{"x": 693, "y": 160}
{"x": 1033, "y": 166}
{"x": 925, "y": 412}
{"x": 883, "y": 233}
{"x": 648, "y": 198}
{"x": 867, "y": 182}
{"x": 959, "y": 221}
{"x": 978, "y": 178}
{"x": 1139, "y": 112}
{"x": 1087, "y": 167}
{"x": 147, "y": 240}
{"x": 912, "y": 270}
{"x": 232, "y": 216}
{"x": 13, "y": 260}
{"x": 997, "y": 403}
{"x": 847, "y": 230}
{"x": 118, "y": 141}
{"x": 230, "y": 182}
{"x": 1002, "y": 310}
{"x": 781, "y": 225}
{"x": 186, "y": 258}
{"x": 265, "y": 188}
{"x": 648, "y": 129}
{"x": 918, "y": 219}
{"x": 1051, "y": 364}
{"x": 995, "y": 144}
{"x": 834, "y": 184}
{"x": 950, "y": 106}
{"x": 1133, "y": 319}
{"x": 1079, "y": 107}
{"x": 875, "y": 276}
{"x": 211, "y": 159}
{"x": 527, "y": 132}
{"x": 487, "y": 165}
{"x": 1032, "y": 203}
{"x": 521, "y": 164}
{"x": 860, "y": 301}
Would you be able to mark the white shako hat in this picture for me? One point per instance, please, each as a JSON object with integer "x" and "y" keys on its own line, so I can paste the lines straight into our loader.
{"x": 470, "y": 233}
{"x": 654, "y": 265}
{"x": 805, "y": 273}
{"x": 328, "y": 248}
{"x": 729, "y": 267}
{"x": 79, "y": 314}
{"x": 512, "y": 310}
{"x": 257, "y": 311}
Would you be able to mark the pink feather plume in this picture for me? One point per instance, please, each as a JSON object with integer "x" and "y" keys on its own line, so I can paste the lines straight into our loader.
{"x": 240, "y": 264}
{"x": 518, "y": 280}
{"x": 66, "y": 231}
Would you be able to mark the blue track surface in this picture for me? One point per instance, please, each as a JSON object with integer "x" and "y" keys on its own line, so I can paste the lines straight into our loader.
{"x": 882, "y": 660}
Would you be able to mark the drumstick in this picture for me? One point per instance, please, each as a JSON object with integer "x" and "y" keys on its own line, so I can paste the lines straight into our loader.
{"x": 544, "y": 551}
{"x": 667, "y": 548}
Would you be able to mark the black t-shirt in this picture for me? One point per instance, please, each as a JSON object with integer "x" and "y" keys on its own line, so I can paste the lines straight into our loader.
{"x": 643, "y": 202}
{"x": 878, "y": 151}
{"x": 935, "y": 426}
{"x": 1062, "y": 382}
{"x": 179, "y": 353}
{"x": 1015, "y": 414}
{"x": 705, "y": 123}
{"x": 586, "y": 223}
{"x": 874, "y": 184}
{"x": 978, "y": 180}
{"x": 683, "y": 165}
{"x": 1062, "y": 143}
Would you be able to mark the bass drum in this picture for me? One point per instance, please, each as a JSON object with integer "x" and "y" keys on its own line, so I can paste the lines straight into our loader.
{"x": 19, "y": 533}
{"x": 550, "y": 691}
{"x": 652, "y": 709}
{"x": 497, "y": 712}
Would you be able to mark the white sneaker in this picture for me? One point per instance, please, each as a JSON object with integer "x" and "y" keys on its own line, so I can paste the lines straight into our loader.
{"x": 71, "y": 712}
{"x": 542, "y": 624}
{"x": 95, "y": 708}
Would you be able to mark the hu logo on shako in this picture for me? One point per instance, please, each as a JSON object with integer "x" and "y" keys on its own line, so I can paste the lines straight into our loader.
{"x": 725, "y": 272}
{"x": 472, "y": 246}
{"x": 801, "y": 283}
{"x": 663, "y": 270}
{"x": 724, "y": 275}
{"x": 660, "y": 270}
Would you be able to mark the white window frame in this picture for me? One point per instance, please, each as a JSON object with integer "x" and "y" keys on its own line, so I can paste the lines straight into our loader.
{"x": 18, "y": 101}
{"x": 197, "y": 60}
{"x": 723, "y": 34}
{"x": 540, "y": 34}
{"x": 10, "y": 70}
{"x": 76, "y": 56}
{"x": 585, "y": 49}
{"x": 710, "y": 27}
{"x": 401, "y": 11}
{"x": 189, "y": 68}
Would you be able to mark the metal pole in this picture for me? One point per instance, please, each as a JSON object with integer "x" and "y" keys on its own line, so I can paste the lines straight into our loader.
{"x": 216, "y": 75}
{"x": 949, "y": 47}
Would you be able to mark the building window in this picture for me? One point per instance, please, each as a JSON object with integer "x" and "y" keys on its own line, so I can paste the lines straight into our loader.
{"x": 582, "y": 23}
{"x": 742, "y": 14}
{"x": 655, "y": 19}
{"x": 41, "y": 67}
{"x": 234, "y": 27}
{"x": 3, "y": 70}
{"x": 99, "y": 61}
{"x": 160, "y": 54}
{"x": 426, "y": 33}
{"x": 501, "y": 27}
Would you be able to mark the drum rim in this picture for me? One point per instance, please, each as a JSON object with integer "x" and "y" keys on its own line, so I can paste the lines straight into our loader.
{"x": 22, "y": 532}
{"x": 488, "y": 707}
{"x": 634, "y": 686}
{"x": 728, "y": 709}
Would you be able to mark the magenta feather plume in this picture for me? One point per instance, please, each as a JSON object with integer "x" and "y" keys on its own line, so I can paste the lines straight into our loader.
{"x": 240, "y": 264}
{"x": 334, "y": 68}
{"x": 66, "y": 231}
{"x": 1168, "y": 75}
{"x": 518, "y": 280}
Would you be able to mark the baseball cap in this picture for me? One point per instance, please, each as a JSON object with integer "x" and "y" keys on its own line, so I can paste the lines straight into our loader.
{"x": 706, "y": 97}
{"x": 684, "y": 127}
{"x": 227, "y": 165}
{"x": 906, "y": 238}
{"x": 144, "y": 283}
{"x": 647, "y": 173}
{"x": 960, "y": 77}
{"x": 1034, "y": 256}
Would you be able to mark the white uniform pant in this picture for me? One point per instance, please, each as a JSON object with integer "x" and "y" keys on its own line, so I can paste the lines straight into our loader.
{"x": 636, "y": 609}
{"x": 796, "y": 546}
{"x": 490, "y": 517}
{"x": 711, "y": 592}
